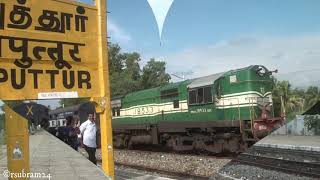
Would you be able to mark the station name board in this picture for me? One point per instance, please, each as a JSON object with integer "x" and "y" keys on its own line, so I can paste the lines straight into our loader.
{"x": 47, "y": 49}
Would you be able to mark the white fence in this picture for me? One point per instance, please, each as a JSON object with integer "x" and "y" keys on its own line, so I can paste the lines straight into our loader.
{"x": 296, "y": 127}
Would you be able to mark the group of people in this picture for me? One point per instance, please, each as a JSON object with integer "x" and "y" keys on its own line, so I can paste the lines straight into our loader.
{"x": 84, "y": 135}
{"x": 69, "y": 133}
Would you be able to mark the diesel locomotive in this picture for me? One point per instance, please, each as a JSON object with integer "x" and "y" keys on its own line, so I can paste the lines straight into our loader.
{"x": 227, "y": 111}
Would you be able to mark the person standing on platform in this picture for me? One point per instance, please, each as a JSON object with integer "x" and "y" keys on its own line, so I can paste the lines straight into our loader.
{"x": 77, "y": 128}
{"x": 88, "y": 131}
{"x": 71, "y": 132}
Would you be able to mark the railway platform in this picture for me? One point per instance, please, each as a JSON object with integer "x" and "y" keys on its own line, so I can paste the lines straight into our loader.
{"x": 50, "y": 156}
{"x": 290, "y": 152}
{"x": 294, "y": 135}
{"x": 124, "y": 175}
{"x": 306, "y": 143}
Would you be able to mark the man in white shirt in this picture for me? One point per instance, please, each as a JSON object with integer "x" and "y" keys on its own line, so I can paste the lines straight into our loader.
{"x": 88, "y": 131}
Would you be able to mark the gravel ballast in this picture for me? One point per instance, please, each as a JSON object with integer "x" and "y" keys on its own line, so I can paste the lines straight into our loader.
{"x": 182, "y": 163}
{"x": 192, "y": 164}
{"x": 245, "y": 172}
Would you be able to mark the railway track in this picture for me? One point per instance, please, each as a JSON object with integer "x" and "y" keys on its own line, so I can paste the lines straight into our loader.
{"x": 186, "y": 153}
{"x": 308, "y": 169}
{"x": 313, "y": 156}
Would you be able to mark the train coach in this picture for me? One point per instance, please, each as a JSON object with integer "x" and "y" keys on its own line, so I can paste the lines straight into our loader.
{"x": 227, "y": 111}
{"x": 58, "y": 116}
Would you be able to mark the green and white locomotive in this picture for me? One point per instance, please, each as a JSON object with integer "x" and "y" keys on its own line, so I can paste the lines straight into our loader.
{"x": 222, "y": 112}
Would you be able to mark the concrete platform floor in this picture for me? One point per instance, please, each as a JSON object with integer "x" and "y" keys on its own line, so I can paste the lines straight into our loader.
{"x": 124, "y": 175}
{"x": 307, "y": 143}
{"x": 49, "y": 155}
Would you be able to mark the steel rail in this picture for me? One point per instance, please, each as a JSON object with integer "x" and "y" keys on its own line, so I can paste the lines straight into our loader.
{"x": 289, "y": 166}
{"x": 271, "y": 150}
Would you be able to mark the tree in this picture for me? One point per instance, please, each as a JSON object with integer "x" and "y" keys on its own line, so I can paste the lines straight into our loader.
{"x": 293, "y": 103}
{"x": 124, "y": 71}
{"x": 312, "y": 96}
{"x": 154, "y": 74}
{"x": 132, "y": 67}
{"x": 121, "y": 84}
{"x": 312, "y": 122}
{"x": 126, "y": 76}
{"x": 116, "y": 59}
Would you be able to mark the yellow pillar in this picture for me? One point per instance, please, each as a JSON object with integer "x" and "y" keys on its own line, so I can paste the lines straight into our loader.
{"x": 104, "y": 102}
{"x": 17, "y": 144}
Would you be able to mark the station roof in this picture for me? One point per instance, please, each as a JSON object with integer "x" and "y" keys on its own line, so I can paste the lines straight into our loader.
{"x": 314, "y": 110}
{"x": 66, "y": 109}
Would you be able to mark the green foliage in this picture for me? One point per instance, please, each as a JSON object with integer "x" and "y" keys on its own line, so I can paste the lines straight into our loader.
{"x": 296, "y": 101}
{"x": 312, "y": 96}
{"x": 124, "y": 71}
{"x": 116, "y": 62}
{"x": 126, "y": 75}
{"x": 154, "y": 74}
{"x": 292, "y": 99}
{"x": 312, "y": 123}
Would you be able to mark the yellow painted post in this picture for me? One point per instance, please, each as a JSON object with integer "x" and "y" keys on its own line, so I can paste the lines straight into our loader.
{"x": 17, "y": 144}
{"x": 105, "y": 115}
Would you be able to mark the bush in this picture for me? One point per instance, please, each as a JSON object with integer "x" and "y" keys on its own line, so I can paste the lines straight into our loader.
{"x": 312, "y": 123}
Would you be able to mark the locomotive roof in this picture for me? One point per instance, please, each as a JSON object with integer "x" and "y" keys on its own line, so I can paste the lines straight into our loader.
{"x": 191, "y": 83}
{"x": 204, "y": 81}
{"x": 314, "y": 110}
{"x": 208, "y": 80}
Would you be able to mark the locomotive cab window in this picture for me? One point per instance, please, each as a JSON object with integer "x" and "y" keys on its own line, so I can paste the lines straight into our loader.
{"x": 202, "y": 95}
{"x": 207, "y": 95}
{"x": 193, "y": 97}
